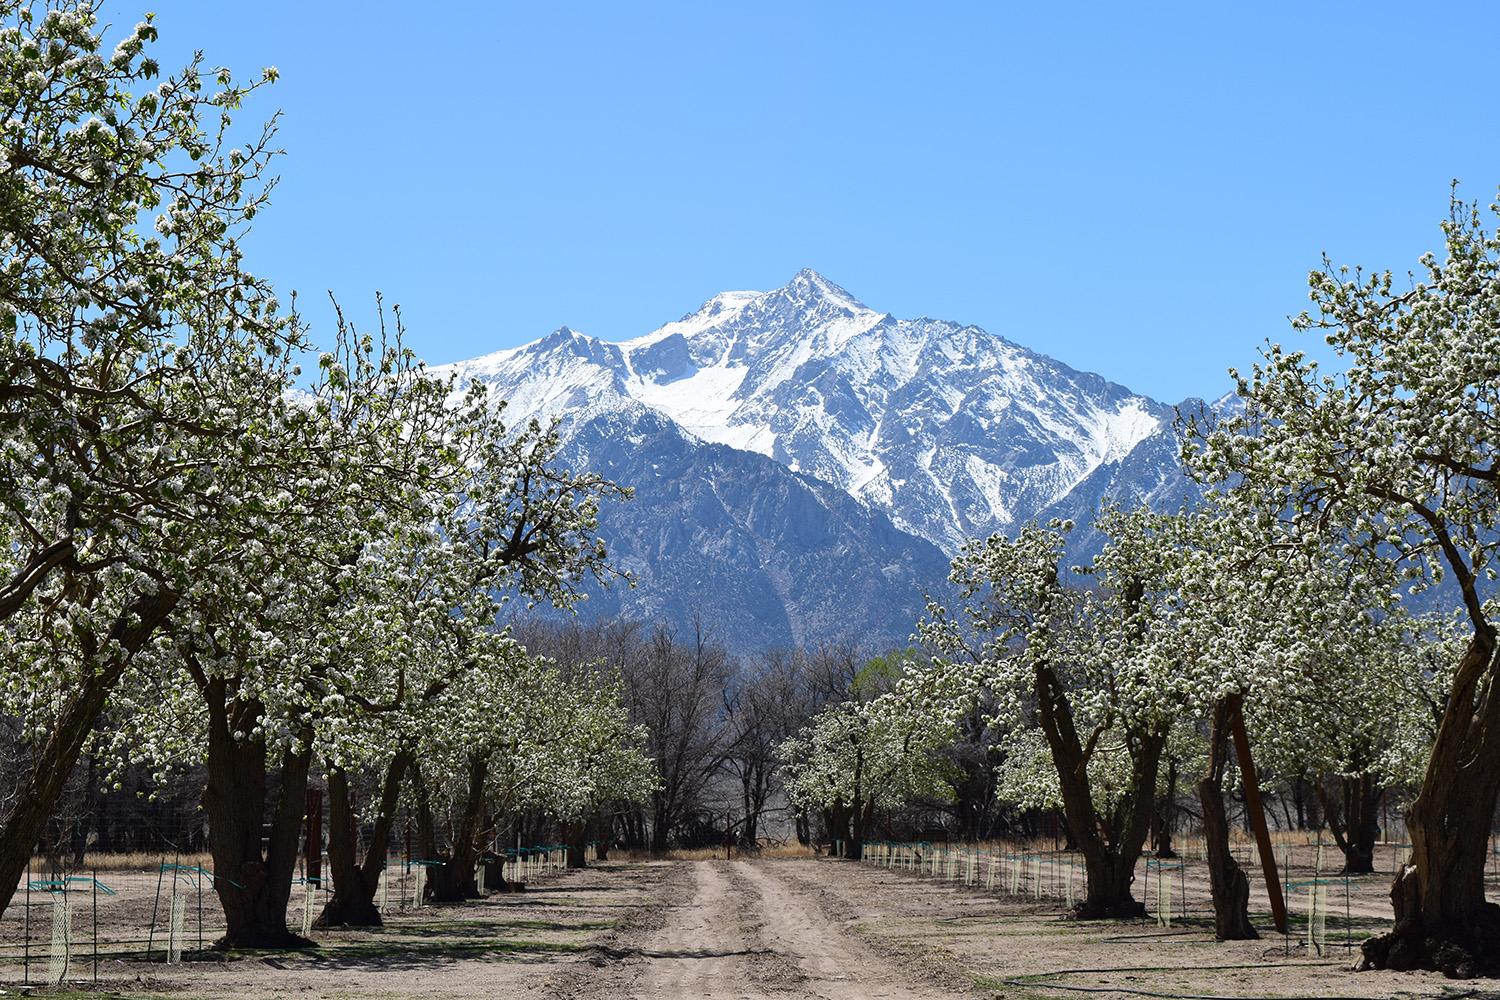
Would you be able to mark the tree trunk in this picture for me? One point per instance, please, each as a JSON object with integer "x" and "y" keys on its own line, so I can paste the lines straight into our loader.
{"x": 857, "y": 813}
{"x": 55, "y": 759}
{"x": 1069, "y": 844}
{"x": 1364, "y": 827}
{"x": 1354, "y": 820}
{"x": 1161, "y": 836}
{"x": 838, "y": 819}
{"x": 661, "y": 823}
{"x": 1227, "y": 883}
{"x": 1110, "y": 850}
{"x": 576, "y": 835}
{"x": 1107, "y": 884}
{"x": 426, "y": 833}
{"x": 634, "y": 822}
{"x": 1443, "y": 921}
{"x": 355, "y": 883}
{"x": 860, "y": 818}
{"x": 253, "y": 884}
{"x": 454, "y": 880}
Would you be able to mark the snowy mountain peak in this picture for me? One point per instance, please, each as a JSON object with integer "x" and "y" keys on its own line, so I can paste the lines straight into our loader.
{"x": 718, "y": 310}
{"x": 810, "y": 287}
{"x": 860, "y": 449}
{"x": 952, "y": 431}
{"x": 1228, "y": 405}
{"x": 562, "y": 335}
{"x": 807, "y": 303}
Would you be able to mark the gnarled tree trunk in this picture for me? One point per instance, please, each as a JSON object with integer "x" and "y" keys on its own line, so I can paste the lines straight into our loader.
{"x": 253, "y": 883}
{"x": 454, "y": 880}
{"x": 1443, "y": 921}
{"x": 1110, "y": 845}
{"x": 56, "y": 757}
{"x": 355, "y": 881}
{"x": 1227, "y": 883}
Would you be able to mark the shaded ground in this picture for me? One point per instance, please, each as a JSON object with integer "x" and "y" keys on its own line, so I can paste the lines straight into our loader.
{"x": 807, "y": 928}
{"x": 1025, "y": 948}
{"x": 503, "y": 946}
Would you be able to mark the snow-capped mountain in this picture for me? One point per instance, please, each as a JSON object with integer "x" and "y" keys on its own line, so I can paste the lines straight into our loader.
{"x": 805, "y": 465}
{"x": 767, "y": 557}
{"x": 952, "y": 431}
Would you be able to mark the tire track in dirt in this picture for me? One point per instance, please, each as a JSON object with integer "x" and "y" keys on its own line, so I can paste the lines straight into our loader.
{"x": 691, "y": 940}
{"x": 736, "y": 931}
{"x": 706, "y": 948}
{"x": 835, "y": 964}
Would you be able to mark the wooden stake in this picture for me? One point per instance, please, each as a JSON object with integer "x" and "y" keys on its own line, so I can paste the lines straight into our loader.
{"x": 1257, "y": 814}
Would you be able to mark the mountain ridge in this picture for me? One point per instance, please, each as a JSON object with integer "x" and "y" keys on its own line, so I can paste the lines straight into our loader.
{"x": 943, "y": 431}
{"x": 952, "y": 430}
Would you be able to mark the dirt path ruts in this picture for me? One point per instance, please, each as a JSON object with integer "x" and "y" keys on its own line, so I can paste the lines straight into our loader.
{"x": 740, "y": 930}
{"x": 835, "y": 964}
{"x": 705, "y": 949}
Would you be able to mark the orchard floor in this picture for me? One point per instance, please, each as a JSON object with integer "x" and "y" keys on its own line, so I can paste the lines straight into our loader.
{"x": 683, "y": 930}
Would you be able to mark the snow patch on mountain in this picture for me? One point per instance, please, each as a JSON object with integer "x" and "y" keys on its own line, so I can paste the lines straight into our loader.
{"x": 950, "y": 430}
{"x": 701, "y": 402}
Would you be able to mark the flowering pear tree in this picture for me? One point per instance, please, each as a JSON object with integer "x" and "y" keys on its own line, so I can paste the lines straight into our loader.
{"x": 495, "y": 739}
{"x": 519, "y": 735}
{"x": 404, "y": 465}
{"x": 1084, "y": 669}
{"x": 1398, "y": 454}
{"x": 416, "y": 598}
{"x": 1273, "y": 628}
{"x": 859, "y": 755}
{"x": 601, "y": 766}
{"x": 510, "y": 524}
{"x": 265, "y": 675}
{"x": 527, "y": 528}
{"x": 134, "y": 366}
{"x": 1357, "y": 726}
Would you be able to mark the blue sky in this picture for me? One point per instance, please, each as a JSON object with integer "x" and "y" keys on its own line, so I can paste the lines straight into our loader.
{"x": 1138, "y": 190}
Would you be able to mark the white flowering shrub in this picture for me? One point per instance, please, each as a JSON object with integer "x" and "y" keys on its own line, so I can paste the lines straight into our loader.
{"x": 879, "y": 751}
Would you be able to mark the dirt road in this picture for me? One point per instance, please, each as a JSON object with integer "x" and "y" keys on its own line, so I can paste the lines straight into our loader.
{"x": 786, "y": 929}
{"x": 740, "y": 929}
{"x": 839, "y": 931}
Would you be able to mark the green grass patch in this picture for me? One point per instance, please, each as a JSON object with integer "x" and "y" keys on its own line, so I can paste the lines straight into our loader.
{"x": 486, "y": 927}
{"x": 454, "y": 949}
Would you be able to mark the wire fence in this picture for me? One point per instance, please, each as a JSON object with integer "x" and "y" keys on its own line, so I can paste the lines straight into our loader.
{"x": 59, "y": 927}
{"x": 1327, "y": 908}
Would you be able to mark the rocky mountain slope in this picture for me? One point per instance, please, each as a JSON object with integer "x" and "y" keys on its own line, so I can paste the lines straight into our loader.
{"x": 805, "y": 464}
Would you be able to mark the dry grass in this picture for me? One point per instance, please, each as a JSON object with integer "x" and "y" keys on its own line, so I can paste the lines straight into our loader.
{"x": 132, "y": 861}
{"x": 787, "y": 851}
{"x": 710, "y": 853}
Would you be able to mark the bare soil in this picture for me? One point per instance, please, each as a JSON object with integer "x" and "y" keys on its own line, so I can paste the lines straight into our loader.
{"x": 806, "y": 928}
{"x": 742, "y": 929}
{"x": 1028, "y": 948}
